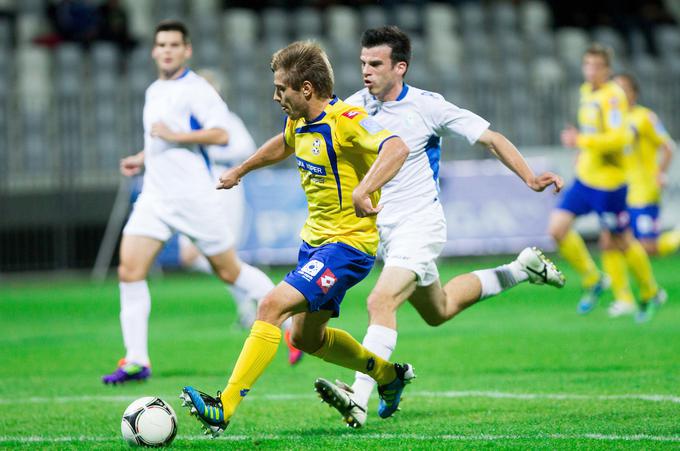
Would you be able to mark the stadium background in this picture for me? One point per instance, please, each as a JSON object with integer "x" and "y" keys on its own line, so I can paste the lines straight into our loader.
{"x": 74, "y": 75}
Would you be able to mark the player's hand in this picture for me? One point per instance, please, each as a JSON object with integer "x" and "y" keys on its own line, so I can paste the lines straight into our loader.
{"x": 363, "y": 206}
{"x": 160, "y": 130}
{"x": 131, "y": 165}
{"x": 544, "y": 180}
{"x": 569, "y": 136}
{"x": 229, "y": 179}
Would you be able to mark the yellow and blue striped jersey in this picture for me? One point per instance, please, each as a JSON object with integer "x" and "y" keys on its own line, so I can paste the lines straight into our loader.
{"x": 642, "y": 162}
{"x": 604, "y": 135}
{"x": 334, "y": 152}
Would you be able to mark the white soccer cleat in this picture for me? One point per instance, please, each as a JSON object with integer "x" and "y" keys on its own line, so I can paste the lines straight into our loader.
{"x": 621, "y": 308}
{"x": 341, "y": 397}
{"x": 539, "y": 268}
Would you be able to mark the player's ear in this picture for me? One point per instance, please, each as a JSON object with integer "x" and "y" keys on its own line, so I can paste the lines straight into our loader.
{"x": 401, "y": 67}
{"x": 190, "y": 50}
{"x": 307, "y": 89}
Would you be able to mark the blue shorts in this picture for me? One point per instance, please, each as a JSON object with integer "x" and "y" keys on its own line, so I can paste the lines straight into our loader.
{"x": 610, "y": 206}
{"x": 325, "y": 273}
{"x": 645, "y": 221}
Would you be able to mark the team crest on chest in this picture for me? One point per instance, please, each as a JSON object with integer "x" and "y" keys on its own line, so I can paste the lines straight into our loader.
{"x": 316, "y": 146}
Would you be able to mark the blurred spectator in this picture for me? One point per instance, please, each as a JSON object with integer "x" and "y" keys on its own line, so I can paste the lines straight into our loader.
{"x": 74, "y": 20}
{"x": 113, "y": 25}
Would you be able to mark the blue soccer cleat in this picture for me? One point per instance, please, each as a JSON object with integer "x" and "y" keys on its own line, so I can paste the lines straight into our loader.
{"x": 206, "y": 409}
{"x": 591, "y": 295}
{"x": 390, "y": 394}
{"x": 647, "y": 309}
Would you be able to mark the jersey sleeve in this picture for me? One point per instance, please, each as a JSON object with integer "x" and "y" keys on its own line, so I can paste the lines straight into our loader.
{"x": 289, "y": 132}
{"x": 208, "y": 110}
{"x": 360, "y": 132}
{"x": 241, "y": 144}
{"x": 655, "y": 129}
{"x": 448, "y": 120}
{"x": 616, "y": 133}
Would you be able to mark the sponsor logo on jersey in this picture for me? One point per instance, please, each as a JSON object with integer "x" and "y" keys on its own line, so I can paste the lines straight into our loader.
{"x": 327, "y": 280}
{"x": 310, "y": 269}
{"x": 351, "y": 114}
{"x": 315, "y": 169}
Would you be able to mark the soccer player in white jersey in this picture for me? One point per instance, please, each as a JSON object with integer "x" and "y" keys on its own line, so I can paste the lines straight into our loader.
{"x": 182, "y": 113}
{"x": 411, "y": 223}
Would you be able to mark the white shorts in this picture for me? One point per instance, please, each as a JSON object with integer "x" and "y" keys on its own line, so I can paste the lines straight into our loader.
{"x": 204, "y": 221}
{"x": 414, "y": 242}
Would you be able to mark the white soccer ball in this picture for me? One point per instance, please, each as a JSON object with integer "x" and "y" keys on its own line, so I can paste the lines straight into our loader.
{"x": 149, "y": 421}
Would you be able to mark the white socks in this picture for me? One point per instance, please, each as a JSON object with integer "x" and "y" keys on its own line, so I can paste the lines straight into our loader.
{"x": 248, "y": 290}
{"x": 380, "y": 340}
{"x": 500, "y": 278}
{"x": 135, "y": 306}
{"x": 253, "y": 281}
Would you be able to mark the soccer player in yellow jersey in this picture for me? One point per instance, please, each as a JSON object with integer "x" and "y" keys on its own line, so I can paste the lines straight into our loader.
{"x": 647, "y": 165}
{"x": 344, "y": 158}
{"x": 600, "y": 186}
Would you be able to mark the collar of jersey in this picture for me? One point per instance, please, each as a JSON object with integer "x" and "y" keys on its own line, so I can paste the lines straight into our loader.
{"x": 402, "y": 94}
{"x": 333, "y": 101}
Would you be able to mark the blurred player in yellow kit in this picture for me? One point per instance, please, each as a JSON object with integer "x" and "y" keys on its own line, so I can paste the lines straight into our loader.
{"x": 647, "y": 165}
{"x": 600, "y": 186}
{"x": 344, "y": 157}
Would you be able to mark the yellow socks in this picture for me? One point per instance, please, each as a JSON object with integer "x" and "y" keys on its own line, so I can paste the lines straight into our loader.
{"x": 257, "y": 353}
{"x": 668, "y": 242}
{"x": 574, "y": 251}
{"x": 341, "y": 349}
{"x": 614, "y": 264}
{"x": 638, "y": 262}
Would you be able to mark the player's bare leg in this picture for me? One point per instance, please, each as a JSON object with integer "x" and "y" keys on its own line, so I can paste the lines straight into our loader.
{"x": 137, "y": 254}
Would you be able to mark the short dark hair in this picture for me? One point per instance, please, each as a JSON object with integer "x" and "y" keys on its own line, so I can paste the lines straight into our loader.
{"x": 305, "y": 61}
{"x": 604, "y": 52}
{"x": 630, "y": 78}
{"x": 172, "y": 25}
{"x": 391, "y": 36}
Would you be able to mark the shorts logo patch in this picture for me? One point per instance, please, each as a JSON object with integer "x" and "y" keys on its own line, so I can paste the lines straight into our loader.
{"x": 326, "y": 281}
{"x": 311, "y": 269}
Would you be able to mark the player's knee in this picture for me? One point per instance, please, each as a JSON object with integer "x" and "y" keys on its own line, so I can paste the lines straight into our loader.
{"x": 130, "y": 273}
{"x": 557, "y": 232}
{"x": 270, "y": 310}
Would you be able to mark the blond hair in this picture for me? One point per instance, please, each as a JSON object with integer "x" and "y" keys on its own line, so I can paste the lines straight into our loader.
{"x": 604, "y": 52}
{"x": 305, "y": 61}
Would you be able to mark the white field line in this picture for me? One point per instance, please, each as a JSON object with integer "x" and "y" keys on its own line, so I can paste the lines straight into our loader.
{"x": 358, "y": 437}
{"x": 416, "y": 394}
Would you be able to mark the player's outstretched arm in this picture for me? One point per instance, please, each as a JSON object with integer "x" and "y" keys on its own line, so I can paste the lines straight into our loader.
{"x": 132, "y": 165}
{"x": 386, "y": 166}
{"x": 271, "y": 152}
{"x": 508, "y": 154}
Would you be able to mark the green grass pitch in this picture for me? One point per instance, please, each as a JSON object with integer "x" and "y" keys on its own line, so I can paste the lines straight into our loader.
{"x": 518, "y": 371}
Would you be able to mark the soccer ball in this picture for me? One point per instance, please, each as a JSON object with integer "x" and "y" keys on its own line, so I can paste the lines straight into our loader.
{"x": 149, "y": 421}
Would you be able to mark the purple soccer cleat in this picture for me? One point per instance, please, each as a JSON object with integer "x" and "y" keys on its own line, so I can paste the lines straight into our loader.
{"x": 126, "y": 373}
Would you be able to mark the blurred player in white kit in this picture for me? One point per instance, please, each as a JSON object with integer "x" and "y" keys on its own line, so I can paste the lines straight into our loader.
{"x": 182, "y": 115}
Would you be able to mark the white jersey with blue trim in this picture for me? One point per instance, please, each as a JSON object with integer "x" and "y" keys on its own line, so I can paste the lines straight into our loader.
{"x": 241, "y": 144}
{"x": 421, "y": 118}
{"x": 183, "y": 104}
